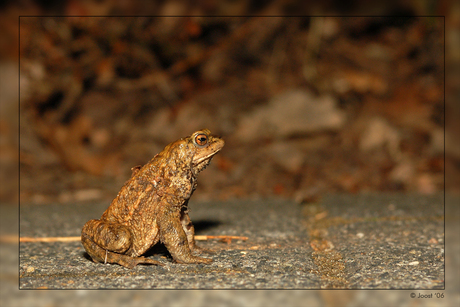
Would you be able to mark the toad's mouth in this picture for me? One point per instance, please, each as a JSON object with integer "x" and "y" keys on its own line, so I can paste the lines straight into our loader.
{"x": 204, "y": 159}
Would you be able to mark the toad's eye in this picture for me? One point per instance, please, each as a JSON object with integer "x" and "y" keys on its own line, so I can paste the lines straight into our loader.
{"x": 201, "y": 139}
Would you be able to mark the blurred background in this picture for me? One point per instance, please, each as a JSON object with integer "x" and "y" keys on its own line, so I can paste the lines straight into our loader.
{"x": 307, "y": 105}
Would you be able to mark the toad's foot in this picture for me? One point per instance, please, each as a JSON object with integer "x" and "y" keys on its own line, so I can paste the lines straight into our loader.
{"x": 131, "y": 262}
{"x": 201, "y": 250}
{"x": 124, "y": 260}
{"x": 194, "y": 259}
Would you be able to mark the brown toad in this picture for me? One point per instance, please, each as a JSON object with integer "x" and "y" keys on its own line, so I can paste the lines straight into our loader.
{"x": 152, "y": 207}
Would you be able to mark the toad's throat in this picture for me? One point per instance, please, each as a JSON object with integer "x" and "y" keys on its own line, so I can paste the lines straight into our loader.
{"x": 198, "y": 167}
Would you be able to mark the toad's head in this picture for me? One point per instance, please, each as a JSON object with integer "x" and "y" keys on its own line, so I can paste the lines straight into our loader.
{"x": 196, "y": 150}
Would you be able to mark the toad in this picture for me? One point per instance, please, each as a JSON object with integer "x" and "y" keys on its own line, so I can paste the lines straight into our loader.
{"x": 152, "y": 207}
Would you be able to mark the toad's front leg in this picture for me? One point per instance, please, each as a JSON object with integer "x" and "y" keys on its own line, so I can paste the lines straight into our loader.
{"x": 107, "y": 242}
{"x": 175, "y": 239}
{"x": 190, "y": 233}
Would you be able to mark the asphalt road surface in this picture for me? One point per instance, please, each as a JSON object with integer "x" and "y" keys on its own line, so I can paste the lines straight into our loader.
{"x": 341, "y": 242}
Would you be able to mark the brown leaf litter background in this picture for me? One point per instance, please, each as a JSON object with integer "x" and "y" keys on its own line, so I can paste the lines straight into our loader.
{"x": 306, "y": 105}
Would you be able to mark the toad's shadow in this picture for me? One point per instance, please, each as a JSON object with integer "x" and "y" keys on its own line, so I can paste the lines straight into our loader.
{"x": 203, "y": 225}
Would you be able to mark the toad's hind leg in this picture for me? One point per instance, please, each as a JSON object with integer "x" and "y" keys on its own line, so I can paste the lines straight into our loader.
{"x": 106, "y": 243}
